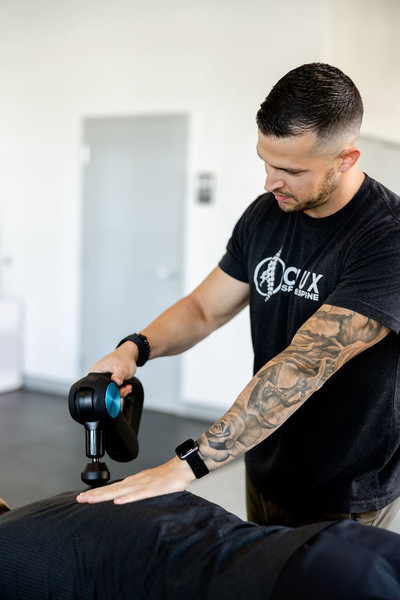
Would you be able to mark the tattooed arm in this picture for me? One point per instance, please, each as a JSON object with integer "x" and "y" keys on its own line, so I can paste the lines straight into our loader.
{"x": 320, "y": 347}
{"x": 330, "y": 338}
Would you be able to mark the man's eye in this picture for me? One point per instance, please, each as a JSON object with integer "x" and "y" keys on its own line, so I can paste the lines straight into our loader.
{"x": 290, "y": 171}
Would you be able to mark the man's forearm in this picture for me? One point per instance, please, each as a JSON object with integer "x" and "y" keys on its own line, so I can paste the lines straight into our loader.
{"x": 177, "y": 329}
{"x": 212, "y": 304}
{"x": 322, "y": 345}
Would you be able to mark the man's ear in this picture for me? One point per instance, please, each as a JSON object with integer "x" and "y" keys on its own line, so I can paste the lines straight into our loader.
{"x": 348, "y": 158}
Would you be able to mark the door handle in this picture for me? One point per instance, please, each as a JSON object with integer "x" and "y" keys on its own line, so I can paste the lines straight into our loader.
{"x": 165, "y": 273}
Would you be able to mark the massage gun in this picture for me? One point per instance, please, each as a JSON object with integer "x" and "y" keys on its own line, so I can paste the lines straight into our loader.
{"x": 111, "y": 422}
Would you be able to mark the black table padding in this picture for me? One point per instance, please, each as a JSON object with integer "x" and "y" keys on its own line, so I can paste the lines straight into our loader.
{"x": 180, "y": 546}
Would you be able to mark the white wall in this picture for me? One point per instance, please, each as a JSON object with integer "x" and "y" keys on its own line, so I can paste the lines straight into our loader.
{"x": 61, "y": 62}
{"x": 213, "y": 59}
{"x": 362, "y": 39}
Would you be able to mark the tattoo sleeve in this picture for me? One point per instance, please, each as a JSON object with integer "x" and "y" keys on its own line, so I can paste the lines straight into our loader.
{"x": 325, "y": 342}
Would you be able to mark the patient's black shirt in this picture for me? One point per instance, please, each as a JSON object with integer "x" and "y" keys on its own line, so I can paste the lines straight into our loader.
{"x": 167, "y": 547}
{"x": 181, "y": 547}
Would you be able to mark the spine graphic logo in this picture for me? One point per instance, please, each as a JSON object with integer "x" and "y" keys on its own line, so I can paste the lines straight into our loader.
{"x": 271, "y": 276}
{"x": 264, "y": 278}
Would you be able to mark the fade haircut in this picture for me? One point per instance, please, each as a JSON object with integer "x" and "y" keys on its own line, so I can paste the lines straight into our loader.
{"x": 317, "y": 98}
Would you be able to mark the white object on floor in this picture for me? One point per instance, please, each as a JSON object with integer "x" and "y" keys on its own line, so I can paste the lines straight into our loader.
{"x": 10, "y": 345}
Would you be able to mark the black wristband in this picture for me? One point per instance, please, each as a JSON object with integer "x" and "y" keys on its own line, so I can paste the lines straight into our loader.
{"x": 143, "y": 345}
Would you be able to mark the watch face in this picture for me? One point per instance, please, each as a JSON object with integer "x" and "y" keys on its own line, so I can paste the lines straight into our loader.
{"x": 186, "y": 448}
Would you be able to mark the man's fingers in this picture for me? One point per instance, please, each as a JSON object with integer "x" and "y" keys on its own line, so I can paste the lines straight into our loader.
{"x": 120, "y": 363}
{"x": 125, "y": 390}
{"x": 106, "y": 492}
{"x": 174, "y": 476}
{"x": 132, "y": 488}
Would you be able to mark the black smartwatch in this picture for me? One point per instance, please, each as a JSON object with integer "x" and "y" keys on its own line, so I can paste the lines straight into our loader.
{"x": 189, "y": 451}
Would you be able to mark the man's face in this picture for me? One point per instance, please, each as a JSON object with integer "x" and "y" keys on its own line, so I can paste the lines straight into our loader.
{"x": 299, "y": 179}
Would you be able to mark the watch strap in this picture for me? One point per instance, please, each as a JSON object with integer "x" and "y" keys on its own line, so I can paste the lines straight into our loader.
{"x": 143, "y": 345}
{"x": 197, "y": 464}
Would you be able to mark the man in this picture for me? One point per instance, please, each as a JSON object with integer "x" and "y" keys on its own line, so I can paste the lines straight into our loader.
{"x": 317, "y": 258}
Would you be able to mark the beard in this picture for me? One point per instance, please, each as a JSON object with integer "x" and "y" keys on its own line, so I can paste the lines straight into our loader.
{"x": 325, "y": 190}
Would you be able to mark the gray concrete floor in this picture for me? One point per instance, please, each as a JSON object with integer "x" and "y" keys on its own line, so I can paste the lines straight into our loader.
{"x": 43, "y": 451}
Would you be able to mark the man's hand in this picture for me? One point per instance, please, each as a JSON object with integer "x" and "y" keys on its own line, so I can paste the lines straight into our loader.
{"x": 121, "y": 364}
{"x": 173, "y": 476}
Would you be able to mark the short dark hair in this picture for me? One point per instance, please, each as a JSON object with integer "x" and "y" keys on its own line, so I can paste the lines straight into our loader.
{"x": 314, "y": 97}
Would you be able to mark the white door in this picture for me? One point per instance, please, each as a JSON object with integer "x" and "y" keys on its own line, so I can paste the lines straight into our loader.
{"x": 133, "y": 213}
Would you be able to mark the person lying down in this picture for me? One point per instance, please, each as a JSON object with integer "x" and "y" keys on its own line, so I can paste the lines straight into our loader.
{"x": 180, "y": 546}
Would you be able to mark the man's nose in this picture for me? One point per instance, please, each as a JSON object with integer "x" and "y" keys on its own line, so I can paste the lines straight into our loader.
{"x": 273, "y": 182}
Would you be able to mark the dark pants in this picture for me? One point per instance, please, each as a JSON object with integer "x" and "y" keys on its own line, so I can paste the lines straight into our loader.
{"x": 265, "y": 512}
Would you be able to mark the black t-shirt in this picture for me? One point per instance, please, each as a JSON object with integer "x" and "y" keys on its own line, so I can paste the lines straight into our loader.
{"x": 340, "y": 451}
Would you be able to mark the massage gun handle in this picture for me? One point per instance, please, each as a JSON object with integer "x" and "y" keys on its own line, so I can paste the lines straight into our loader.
{"x": 121, "y": 442}
{"x": 132, "y": 404}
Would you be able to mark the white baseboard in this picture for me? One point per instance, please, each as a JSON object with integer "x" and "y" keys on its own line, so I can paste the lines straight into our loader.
{"x": 47, "y": 386}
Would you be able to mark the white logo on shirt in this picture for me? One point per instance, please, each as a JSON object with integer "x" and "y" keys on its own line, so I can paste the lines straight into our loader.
{"x": 271, "y": 276}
